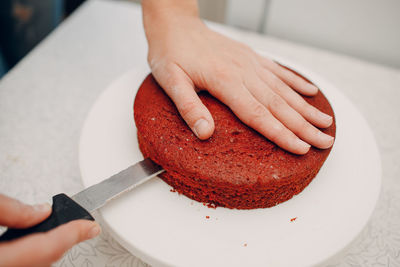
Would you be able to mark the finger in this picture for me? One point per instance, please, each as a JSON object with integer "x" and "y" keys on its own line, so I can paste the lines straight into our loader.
{"x": 257, "y": 116}
{"x": 289, "y": 117}
{"x": 290, "y": 78}
{"x": 181, "y": 90}
{"x": 45, "y": 248}
{"x": 309, "y": 112}
{"x": 15, "y": 214}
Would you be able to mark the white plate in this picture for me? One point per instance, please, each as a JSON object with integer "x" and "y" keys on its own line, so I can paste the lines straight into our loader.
{"x": 167, "y": 229}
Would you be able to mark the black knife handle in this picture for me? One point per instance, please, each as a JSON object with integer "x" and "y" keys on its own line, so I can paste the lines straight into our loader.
{"x": 64, "y": 210}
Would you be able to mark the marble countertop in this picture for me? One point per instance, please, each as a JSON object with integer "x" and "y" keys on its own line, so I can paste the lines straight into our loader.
{"x": 46, "y": 97}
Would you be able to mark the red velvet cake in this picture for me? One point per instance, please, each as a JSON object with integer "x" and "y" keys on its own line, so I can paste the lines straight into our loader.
{"x": 235, "y": 168}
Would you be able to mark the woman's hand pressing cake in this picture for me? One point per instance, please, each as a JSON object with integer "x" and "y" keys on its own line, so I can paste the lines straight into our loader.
{"x": 186, "y": 56}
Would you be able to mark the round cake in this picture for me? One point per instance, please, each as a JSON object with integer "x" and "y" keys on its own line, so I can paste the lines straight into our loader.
{"x": 236, "y": 167}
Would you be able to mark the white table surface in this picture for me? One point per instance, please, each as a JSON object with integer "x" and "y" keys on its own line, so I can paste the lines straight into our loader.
{"x": 46, "y": 97}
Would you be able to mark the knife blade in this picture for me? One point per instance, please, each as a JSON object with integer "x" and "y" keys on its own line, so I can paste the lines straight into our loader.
{"x": 79, "y": 206}
{"x": 99, "y": 194}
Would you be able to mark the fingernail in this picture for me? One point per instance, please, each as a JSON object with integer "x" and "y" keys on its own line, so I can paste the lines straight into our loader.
{"x": 325, "y": 117}
{"x": 312, "y": 88}
{"x": 303, "y": 144}
{"x": 44, "y": 207}
{"x": 326, "y": 138}
{"x": 201, "y": 127}
{"x": 95, "y": 231}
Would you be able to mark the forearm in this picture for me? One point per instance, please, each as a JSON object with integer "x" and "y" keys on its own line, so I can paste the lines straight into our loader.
{"x": 161, "y": 11}
{"x": 164, "y": 19}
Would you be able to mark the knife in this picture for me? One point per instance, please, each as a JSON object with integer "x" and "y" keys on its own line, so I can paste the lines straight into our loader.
{"x": 79, "y": 206}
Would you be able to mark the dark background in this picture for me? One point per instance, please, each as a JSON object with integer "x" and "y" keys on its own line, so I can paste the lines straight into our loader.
{"x": 24, "y": 23}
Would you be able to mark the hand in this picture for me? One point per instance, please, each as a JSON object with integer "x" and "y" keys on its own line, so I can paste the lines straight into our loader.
{"x": 185, "y": 56}
{"x": 39, "y": 249}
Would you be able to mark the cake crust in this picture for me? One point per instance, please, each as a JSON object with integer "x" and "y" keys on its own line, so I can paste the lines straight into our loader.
{"x": 236, "y": 167}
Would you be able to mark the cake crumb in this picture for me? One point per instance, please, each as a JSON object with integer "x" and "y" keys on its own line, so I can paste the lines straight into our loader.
{"x": 207, "y": 217}
{"x": 293, "y": 219}
{"x": 172, "y": 190}
{"x": 211, "y": 205}
{"x": 245, "y": 245}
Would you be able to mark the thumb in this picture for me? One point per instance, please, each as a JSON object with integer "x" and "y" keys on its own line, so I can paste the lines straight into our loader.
{"x": 180, "y": 88}
{"x": 15, "y": 214}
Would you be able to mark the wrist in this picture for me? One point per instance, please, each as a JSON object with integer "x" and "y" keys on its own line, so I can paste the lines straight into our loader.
{"x": 161, "y": 15}
{"x": 165, "y": 11}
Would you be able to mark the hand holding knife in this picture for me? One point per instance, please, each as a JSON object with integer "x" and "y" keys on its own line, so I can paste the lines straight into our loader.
{"x": 79, "y": 206}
